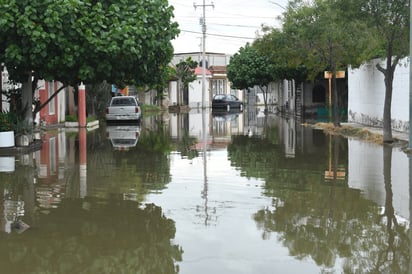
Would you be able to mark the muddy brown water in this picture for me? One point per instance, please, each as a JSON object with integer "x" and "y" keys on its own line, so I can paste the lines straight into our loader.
{"x": 205, "y": 193}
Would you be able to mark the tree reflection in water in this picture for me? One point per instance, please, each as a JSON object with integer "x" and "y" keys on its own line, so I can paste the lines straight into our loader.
{"x": 330, "y": 223}
{"x": 94, "y": 236}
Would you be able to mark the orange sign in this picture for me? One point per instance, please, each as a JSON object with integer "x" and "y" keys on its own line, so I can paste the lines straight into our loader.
{"x": 339, "y": 74}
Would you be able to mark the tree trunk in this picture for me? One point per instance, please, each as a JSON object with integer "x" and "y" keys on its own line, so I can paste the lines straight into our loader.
{"x": 265, "y": 98}
{"x": 388, "y": 73}
{"x": 27, "y": 100}
{"x": 387, "y": 116}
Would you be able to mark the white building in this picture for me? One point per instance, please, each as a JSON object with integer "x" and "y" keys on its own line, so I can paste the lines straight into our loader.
{"x": 216, "y": 81}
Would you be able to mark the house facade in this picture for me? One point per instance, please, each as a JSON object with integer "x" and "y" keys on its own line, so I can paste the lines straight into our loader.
{"x": 52, "y": 113}
{"x": 302, "y": 99}
{"x": 55, "y": 111}
{"x": 216, "y": 81}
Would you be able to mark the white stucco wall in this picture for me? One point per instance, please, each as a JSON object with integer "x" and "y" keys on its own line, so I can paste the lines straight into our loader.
{"x": 172, "y": 93}
{"x": 195, "y": 93}
{"x": 366, "y": 89}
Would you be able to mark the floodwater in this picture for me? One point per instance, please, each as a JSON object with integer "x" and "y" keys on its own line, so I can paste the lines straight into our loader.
{"x": 205, "y": 193}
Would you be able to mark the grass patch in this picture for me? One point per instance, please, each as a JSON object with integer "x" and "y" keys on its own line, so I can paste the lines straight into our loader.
{"x": 150, "y": 108}
{"x": 74, "y": 118}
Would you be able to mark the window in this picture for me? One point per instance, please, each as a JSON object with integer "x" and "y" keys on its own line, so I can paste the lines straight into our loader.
{"x": 52, "y": 102}
{"x": 218, "y": 86}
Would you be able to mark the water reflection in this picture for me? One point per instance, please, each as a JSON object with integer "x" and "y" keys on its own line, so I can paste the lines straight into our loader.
{"x": 238, "y": 192}
{"x": 331, "y": 224}
{"x": 123, "y": 136}
{"x": 94, "y": 236}
{"x": 7, "y": 163}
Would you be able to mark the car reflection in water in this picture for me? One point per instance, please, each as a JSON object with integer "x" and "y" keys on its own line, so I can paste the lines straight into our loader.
{"x": 222, "y": 115}
{"x": 123, "y": 136}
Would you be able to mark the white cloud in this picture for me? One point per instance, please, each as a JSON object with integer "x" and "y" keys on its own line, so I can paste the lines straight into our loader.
{"x": 230, "y": 24}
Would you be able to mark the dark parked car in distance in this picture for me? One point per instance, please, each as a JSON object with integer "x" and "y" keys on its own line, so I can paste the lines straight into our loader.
{"x": 227, "y": 102}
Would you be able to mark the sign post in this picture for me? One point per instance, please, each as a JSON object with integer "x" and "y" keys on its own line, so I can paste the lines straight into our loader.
{"x": 328, "y": 75}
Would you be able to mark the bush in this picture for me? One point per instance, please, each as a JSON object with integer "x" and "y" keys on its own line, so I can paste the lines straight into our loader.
{"x": 74, "y": 118}
{"x": 71, "y": 118}
{"x": 8, "y": 121}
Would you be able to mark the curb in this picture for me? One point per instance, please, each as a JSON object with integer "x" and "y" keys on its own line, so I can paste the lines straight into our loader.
{"x": 11, "y": 151}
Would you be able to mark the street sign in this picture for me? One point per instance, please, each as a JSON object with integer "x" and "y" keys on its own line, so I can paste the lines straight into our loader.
{"x": 339, "y": 74}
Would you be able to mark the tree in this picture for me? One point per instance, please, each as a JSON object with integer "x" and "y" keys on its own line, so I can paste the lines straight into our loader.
{"x": 73, "y": 41}
{"x": 389, "y": 21}
{"x": 185, "y": 75}
{"x": 249, "y": 68}
{"x": 278, "y": 47}
{"x": 323, "y": 39}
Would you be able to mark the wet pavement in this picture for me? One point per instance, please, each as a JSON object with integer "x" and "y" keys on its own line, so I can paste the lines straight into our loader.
{"x": 203, "y": 193}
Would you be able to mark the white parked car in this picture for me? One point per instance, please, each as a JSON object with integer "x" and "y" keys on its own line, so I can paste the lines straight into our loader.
{"x": 123, "y": 108}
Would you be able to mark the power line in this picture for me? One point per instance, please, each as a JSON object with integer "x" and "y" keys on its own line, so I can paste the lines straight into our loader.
{"x": 220, "y": 35}
{"x": 183, "y": 22}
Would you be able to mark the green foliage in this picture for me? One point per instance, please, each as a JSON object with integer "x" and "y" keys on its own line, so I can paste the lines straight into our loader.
{"x": 71, "y": 118}
{"x": 8, "y": 121}
{"x": 74, "y": 118}
{"x": 278, "y": 47}
{"x": 13, "y": 97}
{"x": 150, "y": 108}
{"x": 185, "y": 71}
{"x": 249, "y": 68}
{"x": 389, "y": 22}
{"x": 322, "y": 37}
{"x": 97, "y": 97}
{"x": 11, "y": 121}
{"x": 89, "y": 41}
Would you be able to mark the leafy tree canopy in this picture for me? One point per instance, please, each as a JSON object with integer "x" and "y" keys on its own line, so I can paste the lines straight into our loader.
{"x": 278, "y": 46}
{"x": 185, "y": 71}
{"x": 249, "y": 68}
{"x": 321, "y": 37}
{"x": 90, "y": 41}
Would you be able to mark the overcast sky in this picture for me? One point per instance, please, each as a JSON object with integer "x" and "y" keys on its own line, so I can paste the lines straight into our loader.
{"x": 230, "y": 24}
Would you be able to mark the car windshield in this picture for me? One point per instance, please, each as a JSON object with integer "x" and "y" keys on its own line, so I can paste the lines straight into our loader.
{"x": 121, "y": 101}
{"x": 220, "y": 97}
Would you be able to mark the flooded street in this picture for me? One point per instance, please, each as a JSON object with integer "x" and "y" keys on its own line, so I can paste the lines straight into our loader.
{"x": 205, "y": 193}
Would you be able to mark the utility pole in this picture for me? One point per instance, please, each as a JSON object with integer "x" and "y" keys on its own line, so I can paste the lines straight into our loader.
{"x": 410, "y": 80}
{"x": 203, "y": 24}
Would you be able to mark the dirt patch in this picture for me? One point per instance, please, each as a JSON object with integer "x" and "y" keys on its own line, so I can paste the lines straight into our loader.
{"x": 354, "y": 132}
{"x": 363, "y": 134}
